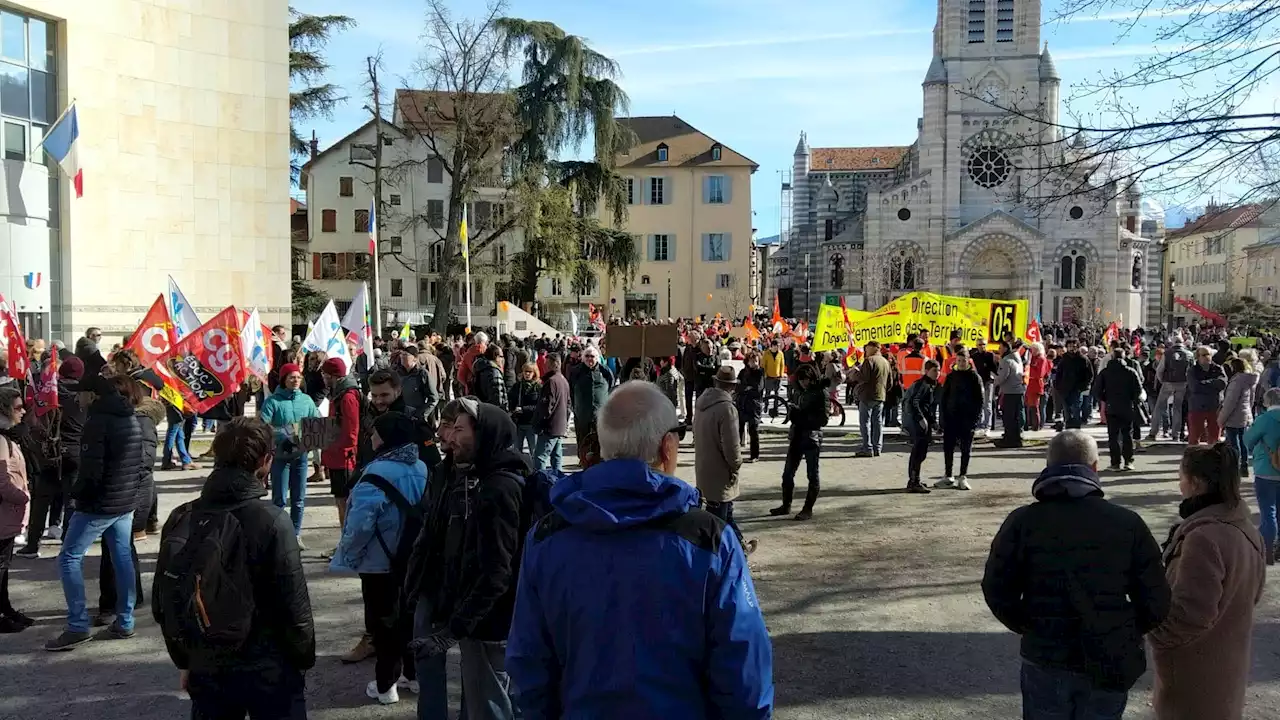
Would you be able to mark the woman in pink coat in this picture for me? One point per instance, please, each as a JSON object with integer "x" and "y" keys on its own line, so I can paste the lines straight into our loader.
{"x": 13, "y": 502}
{"x": 1215, "y": 566}
{"x": 1038, "y": 367}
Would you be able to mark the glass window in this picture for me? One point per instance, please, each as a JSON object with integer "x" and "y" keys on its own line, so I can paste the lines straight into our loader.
{"x": 41, "y": 52}
{"x": 715, "y": 189}
{"x": 15, "y": 141}
{"x": 397, "y": 287}
{"x": 14, "y": 98}
{"x": 661, "y": 248}
{"x": 656, "y": 195}
{"x": 41, "y": 97}
{"x": 13, "y": 36}
{"x": 397, "y": 244}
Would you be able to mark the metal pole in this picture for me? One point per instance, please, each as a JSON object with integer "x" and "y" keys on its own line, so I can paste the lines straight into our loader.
{"x": 669, "y": 313}
{"x": 808, "y": 286}
{"x": 375, "y": 303}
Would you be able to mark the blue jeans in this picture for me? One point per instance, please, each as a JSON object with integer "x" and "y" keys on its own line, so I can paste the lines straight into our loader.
{"x": 1267, "y": 490}
{"x": 116, "y": 532}
{"x": 175, "y": 439}
{"x": 1235, "y": 441}
{"x": 290, "y": 475}
{"x": 486, "y": 689}
{"x": 525, "y": 434}
{"x": 550, "y": 453}
{"x": 1051, "y": 694}
{"x": 1073, "y": 410}
{"x": 871, "y": 423}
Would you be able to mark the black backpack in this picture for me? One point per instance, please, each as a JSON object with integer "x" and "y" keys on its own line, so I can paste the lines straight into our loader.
{"x": 414, "y": 518}
{"x": 1176, "y": 365}
{"x": 203, "y": 590}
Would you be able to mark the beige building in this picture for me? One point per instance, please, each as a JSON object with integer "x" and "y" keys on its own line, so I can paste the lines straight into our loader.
{"x": 1207, "y": 259}
{"x": 183, "y": 116}
{"x": 1262, "y": 269}
{"x": 690, "y": 211}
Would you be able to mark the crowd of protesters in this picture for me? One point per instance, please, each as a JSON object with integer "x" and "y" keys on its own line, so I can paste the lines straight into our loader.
{"x": 445, "y": 462}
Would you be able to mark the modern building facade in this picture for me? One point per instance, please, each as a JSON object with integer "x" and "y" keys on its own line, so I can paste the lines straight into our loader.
{"x": 339, "y": 183}
{"x": 690, "y": 211}
{"x": 958, "y": 211}
{"x": 1207, "y": 258}
{"x": 183, "y": 115}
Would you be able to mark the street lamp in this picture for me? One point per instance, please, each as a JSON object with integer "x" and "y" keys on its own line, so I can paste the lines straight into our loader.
{"x": 669, "y": 313}
{"x": 1173, "y": 289}
{"x": 808, "y": 284}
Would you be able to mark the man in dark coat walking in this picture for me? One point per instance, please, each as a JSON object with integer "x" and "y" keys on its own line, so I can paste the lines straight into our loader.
{"x": 552, "y": 421}
{"x": 1120, "y": 387}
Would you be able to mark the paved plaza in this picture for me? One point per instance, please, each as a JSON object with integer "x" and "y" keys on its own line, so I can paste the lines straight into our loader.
{"x": 874, "y": 606}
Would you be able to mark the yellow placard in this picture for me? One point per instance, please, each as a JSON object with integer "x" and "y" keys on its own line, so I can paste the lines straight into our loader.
{"x": 918, "y": 312}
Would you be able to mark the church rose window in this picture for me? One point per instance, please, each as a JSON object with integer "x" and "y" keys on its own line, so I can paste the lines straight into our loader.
{"x": 989, "y": 166}
{"x": 904, "y": 214}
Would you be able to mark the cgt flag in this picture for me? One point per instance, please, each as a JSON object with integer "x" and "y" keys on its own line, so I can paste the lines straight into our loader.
{"x": 208, "y": 363}
{"x": 46, "y": 395}
{"x": 19, "y": 359}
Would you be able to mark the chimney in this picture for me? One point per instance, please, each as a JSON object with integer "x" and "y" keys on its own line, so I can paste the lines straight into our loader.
{"x": 315, "y": 145}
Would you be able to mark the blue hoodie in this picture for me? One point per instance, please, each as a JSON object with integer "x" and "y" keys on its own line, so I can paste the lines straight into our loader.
{"x": 633, "y": 603}
{"x": 371, "y": 513}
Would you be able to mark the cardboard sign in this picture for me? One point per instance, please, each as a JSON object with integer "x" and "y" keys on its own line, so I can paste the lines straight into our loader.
{"x": 628, "y": 341}
{"x": 318, "y": 433}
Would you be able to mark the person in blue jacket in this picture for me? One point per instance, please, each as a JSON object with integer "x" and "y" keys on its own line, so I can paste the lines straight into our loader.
{"x": 370, "y": 539}
{"x": 1263, "y": 439}
{"x": 632, "y": 601}
{"x": 284, "y": 411}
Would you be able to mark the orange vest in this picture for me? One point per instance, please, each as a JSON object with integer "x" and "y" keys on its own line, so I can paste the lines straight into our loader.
{"x": 911, "y": 369}
{"x": 947, "y": 365}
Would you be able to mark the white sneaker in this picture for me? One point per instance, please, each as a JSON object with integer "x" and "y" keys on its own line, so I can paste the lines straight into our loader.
{"x": 962, "y": 483}
{"x": 20, "y": 540}
{"x": 406, "y": 684}
{"x": 390, "y": 697}
{"x": 301, "y": 545}
{"x": 53, "y": 532}
{"x": 945, "y": 483}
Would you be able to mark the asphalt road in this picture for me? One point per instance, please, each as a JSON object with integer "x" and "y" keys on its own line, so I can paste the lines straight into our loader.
{"x": 873, "y": 606}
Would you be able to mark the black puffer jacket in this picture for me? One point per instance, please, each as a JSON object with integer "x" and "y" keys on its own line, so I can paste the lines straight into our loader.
{"x": 149, "y": 413}
{"x": 111, "y": 458}
{"x": 961, "y": 405}
{"x": 488, "y": 382}
{"x": 749, "y": 396}
{"x": 1080, "y": 579}
{"x": 1119, "y": 386}
{"x": 71, "y": 416}
{"x": 1075, "y": 374}
{"x": 466, "y": 558}
{"x": 282, "y": 633}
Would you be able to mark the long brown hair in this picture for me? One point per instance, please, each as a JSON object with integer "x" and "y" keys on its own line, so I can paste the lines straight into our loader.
{"x": 1216, "y": 467}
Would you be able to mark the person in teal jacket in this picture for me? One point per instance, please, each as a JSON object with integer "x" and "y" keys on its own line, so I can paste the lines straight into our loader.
{"x": 371, "y": 535}
{"x": 1262, "y": 439}
{"x": 284, "y": 412}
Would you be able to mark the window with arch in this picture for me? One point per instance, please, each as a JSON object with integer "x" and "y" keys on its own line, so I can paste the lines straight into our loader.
{"x": 902, "y": 271}
{"x": 1073, "y": 271}
{"x": 977, "y": 21}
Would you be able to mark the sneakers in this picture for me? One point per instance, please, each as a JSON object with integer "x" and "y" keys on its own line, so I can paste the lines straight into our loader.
{"x": 301, "y": 545}
{"x": 749, "y": 546}
{"x": 20, "y": 618}
{"x": 29, "y": 552}
{"x": 864, "y": 454}
{"x": 115, "y": 632}
{"x": 1114, "y": 468}
{"x": 361, "y": 652}
{"x": 805, "y": 514}
{"x": 406, "y": 684}
{"x": 390, "y": 697}
{"x": 946, "y": 483}
{"x": 1127, "y": 466}
{"x": 780, "y": 511}
{"x": 53, "y": 532}
{"x": 140, "y": 536}
{"x": 918, "y": 489}
{"x": 962, "y": 483}
{"x": 9, "y": 625}
{"x": 153, "y": 527}
{"x": 68, "y": 640}
{"x": 189, "y": 466}
{"x": 104, "y": 619}
{"x": 20, "y": 540}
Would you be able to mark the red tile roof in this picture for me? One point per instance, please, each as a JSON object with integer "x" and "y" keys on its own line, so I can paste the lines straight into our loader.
{"x": 856, "y": 158}
{"x": 1222, "y": 219}
{"x": 295, "y": 206}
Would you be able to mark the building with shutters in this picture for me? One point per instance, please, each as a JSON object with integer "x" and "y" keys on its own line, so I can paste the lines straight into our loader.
{"x": 183, "y": 118}
{"x": 689, "y": 208}
{"x": 1223, "y": 255}
{"x": 334, "y": 254}
{"x": 966, "y": 209}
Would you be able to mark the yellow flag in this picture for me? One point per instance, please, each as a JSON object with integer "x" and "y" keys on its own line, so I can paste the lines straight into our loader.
{"x": 462, "y": 232}
{"x": 405, "y": 333}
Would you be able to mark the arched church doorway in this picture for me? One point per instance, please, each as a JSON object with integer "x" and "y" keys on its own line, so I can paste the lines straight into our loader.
{"x": 996, "y": 267}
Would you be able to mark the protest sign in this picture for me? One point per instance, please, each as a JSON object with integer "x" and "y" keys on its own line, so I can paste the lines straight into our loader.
{"x": 830, "y": 332}
{"x": 318, "y": 433}
{"x": 973, "y": 318}
{"x": 628, "y": 341}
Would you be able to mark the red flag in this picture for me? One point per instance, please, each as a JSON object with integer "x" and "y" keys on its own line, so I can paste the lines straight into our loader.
{"x": 1033, "y": 331}
{"x": 753, "y": 334}
{"x": 46, "y": 396}
{"x": 777, "y": 314}
{"x": 19, "y": 363}
{"x": 1137, "y": 345}
{"x": 207, "y": 362}
{"x": 155, "y": 336}
{"x": 1112, "y": 334}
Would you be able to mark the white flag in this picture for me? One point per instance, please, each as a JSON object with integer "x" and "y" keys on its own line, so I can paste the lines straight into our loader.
{"x": 327, "y": 336}
{"x": 184, "y": 316}
{"x": 573, "y": 316}
{"x": 253, "y": 345}
{"x": 356, "y": 322}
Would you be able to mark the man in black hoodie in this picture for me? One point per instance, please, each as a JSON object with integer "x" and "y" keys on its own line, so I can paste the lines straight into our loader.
{"x": 264, "y": 676}
{"x": 1075, "y": 378}
{"x": 1081, "y": 580}
{"x": 461, "y": 577}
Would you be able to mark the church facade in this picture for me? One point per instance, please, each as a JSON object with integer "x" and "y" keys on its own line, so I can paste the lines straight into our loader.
{"x": 985, "y": 202}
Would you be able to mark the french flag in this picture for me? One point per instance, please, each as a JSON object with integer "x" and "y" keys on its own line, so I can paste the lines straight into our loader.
{"x": 60, "y": 143}
{"x": 373, "y": 230}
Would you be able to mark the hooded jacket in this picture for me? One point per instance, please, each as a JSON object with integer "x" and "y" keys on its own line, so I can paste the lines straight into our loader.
{"x": 344, "y": 405}
{"x": 1120, "y": 387}
{"x": 717, "y": 454}
{"x": 1079, "y": 578}
{"x": 282, "y": 633}
{"x": 1237, "y": 401}
{"x": 283, "y": 411}
{"x": 149, "y": 413}
{"x": 418, "y": 389}
{"x": 465, "y": 560}
{"x": 370, "y": 513}
{"x": 487, "y": 382}
{"x": 14, "y": 492}
{"x": 111, "y": 458}
{"x": 1262, "y": 437}
{"x": 625, "y": 539}
{"x": 1075, "y": 374}
{"x": 1009, "y": 375}
{"x": 71, "y": 416}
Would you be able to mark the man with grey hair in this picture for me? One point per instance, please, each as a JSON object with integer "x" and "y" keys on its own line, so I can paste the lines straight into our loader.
{"x": 631, "y": 596}
{"x": 1081, "y": 580}
{"x": 589, "y": 383}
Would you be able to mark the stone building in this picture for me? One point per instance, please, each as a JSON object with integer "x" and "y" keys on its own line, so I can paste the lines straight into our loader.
{"x": 973, "y": 206}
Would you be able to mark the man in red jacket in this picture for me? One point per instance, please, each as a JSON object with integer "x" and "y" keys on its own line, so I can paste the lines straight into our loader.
{"x": 339, "y": 457}
{"x": 476, "y": 346}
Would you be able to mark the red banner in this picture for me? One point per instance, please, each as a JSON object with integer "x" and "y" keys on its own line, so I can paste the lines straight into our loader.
{"x": 1033, "y": 331}
{"x": 1111, "y": 335}
{"x": 46, "y": 396}
{"x": 155, "y": 336}
{"x": 1202, "y": 311}
{"x": 19, "y": 364}
{"x": 206, "y": 364}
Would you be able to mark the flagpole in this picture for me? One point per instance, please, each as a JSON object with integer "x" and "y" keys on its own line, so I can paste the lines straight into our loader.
{"x": 52, "y": 125}
{"x": 466, "y": 259}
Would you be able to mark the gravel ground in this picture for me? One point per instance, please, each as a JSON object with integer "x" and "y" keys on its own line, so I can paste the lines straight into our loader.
{"x": 874, "y": 606}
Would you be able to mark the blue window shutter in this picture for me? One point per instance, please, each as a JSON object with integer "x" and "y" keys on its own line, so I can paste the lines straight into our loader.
{"x": 668, "y": 190}
{"x": 671, "y": 248}
{"x": 728, "y": 246}
{"x": 646, "y": 186}
{"x": 706, "y": 189}
{"x": 706, "y": 247}
{"x": 653, "y": 248}
{"x": 728, "y": 190}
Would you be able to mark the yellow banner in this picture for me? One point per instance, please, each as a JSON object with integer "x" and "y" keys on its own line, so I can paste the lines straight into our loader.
{"x": 917, "y": 312}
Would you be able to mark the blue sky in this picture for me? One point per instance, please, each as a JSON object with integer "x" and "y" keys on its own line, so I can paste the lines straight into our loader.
{"x": 750, "y": 73}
